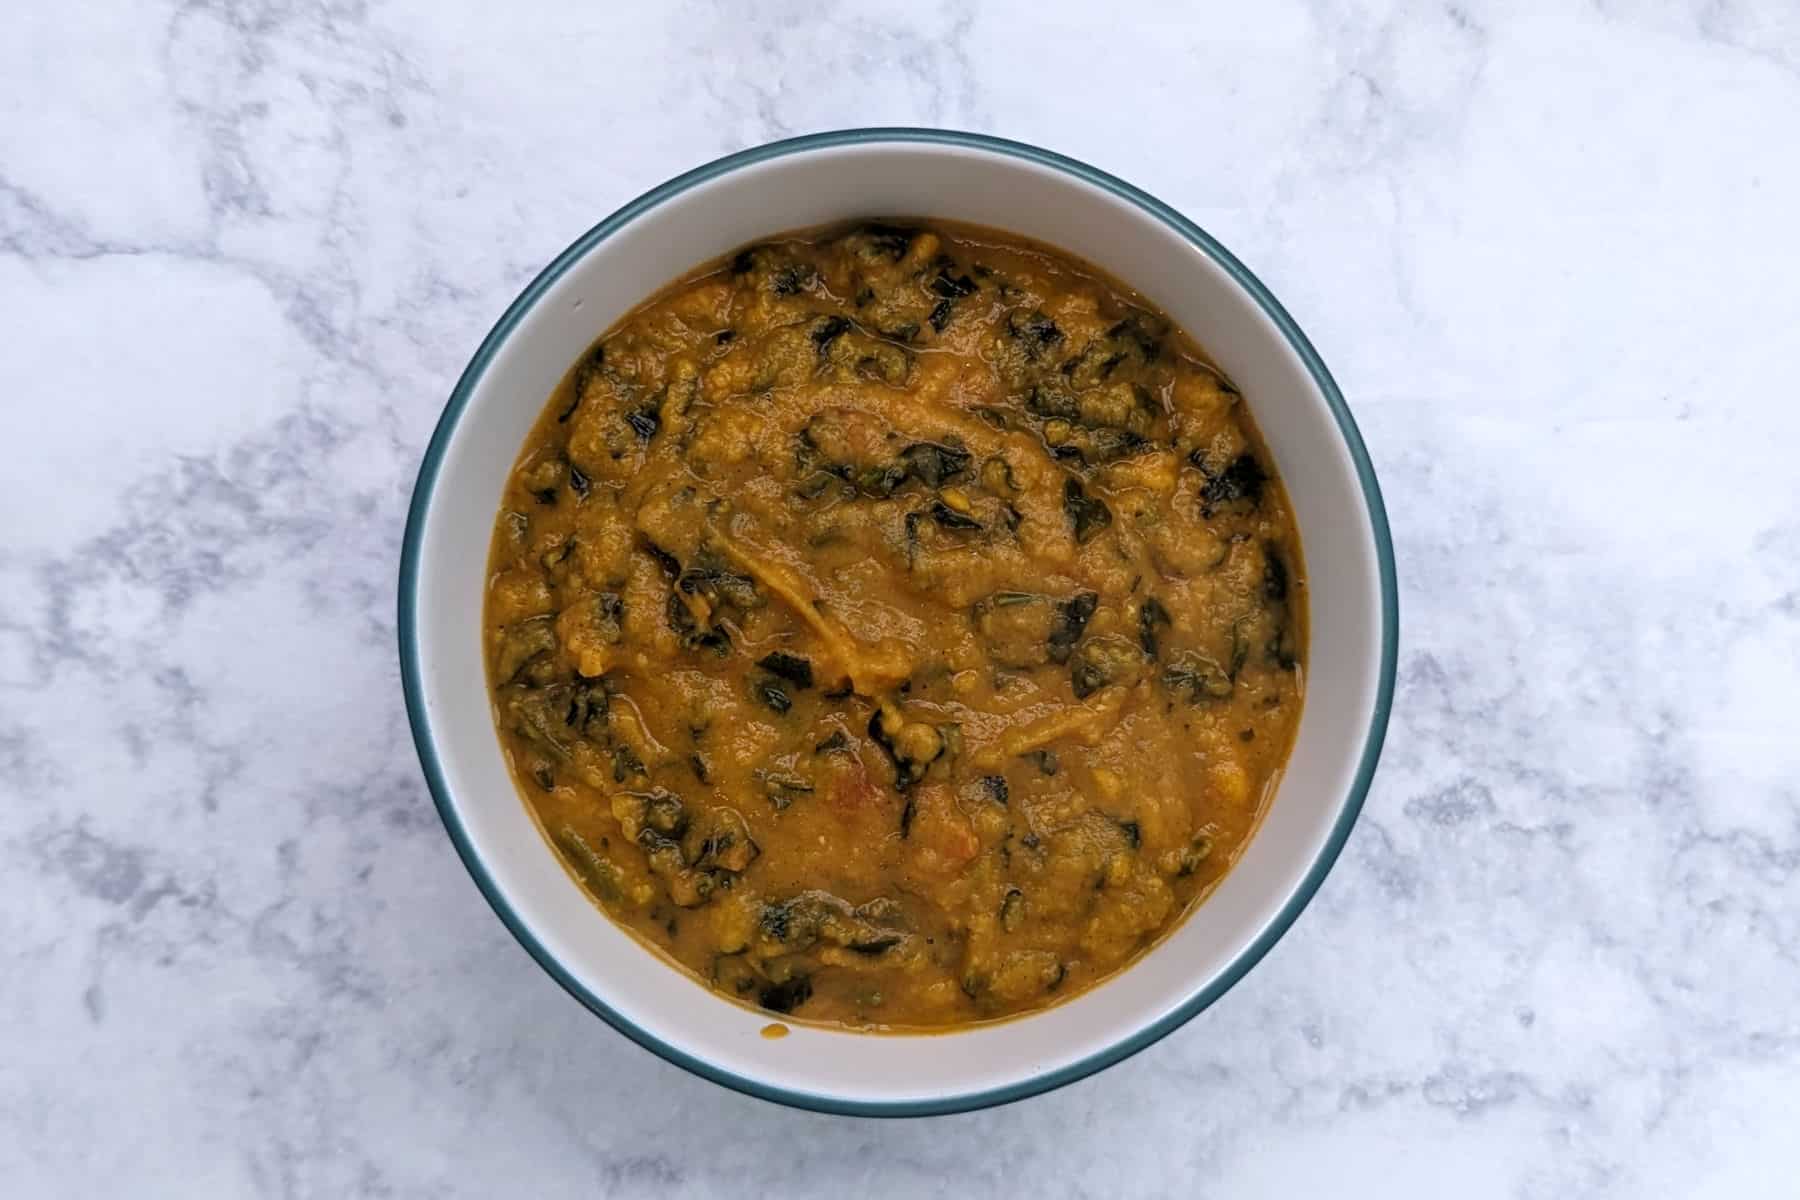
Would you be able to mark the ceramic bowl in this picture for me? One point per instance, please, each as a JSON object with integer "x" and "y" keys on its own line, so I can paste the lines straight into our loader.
{"x": 898, "y": 173}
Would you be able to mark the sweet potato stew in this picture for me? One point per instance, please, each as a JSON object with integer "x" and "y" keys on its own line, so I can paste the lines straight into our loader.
{"x": 897, "y": 626}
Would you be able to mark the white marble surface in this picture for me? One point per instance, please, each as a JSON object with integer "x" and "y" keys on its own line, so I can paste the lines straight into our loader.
{"x": 1550, "y": 251}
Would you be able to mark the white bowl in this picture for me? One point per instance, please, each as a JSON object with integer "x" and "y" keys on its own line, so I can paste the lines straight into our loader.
{"x": 898, "y": 173}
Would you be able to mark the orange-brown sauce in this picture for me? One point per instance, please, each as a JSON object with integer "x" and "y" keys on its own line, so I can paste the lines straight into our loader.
{"x": 897, "y": 626}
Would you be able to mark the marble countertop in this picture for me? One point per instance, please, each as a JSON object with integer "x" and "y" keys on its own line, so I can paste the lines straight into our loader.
{"x": 1549, "y": 251}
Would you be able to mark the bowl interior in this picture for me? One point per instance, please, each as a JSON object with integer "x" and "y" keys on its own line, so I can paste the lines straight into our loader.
{"x": 705, "y": 215}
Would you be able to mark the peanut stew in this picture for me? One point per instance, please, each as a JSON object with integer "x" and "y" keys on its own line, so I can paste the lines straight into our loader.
{"x": 898, "y": 626}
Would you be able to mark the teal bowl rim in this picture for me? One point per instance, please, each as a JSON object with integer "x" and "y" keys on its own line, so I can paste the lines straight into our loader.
{"x": 412, "y": 681}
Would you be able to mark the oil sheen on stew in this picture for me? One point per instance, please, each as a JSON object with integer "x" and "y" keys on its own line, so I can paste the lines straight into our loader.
{"x": 897, "y": 626}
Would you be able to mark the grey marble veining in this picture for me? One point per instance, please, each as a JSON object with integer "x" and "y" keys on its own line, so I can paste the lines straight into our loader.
{"x": 1547, "y": 248}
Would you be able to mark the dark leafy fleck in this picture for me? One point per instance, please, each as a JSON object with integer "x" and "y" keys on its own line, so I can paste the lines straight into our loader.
{"x": 590, "y": 366}
{"x": 579, "y": 482}
{"x": 1143, "y": 332}
{"x": 1275, "y": 575}
{"x": 681, "y": 621}
{"x": 1194, "y": 854}
{"x": 1072, "y": 617}
{"x": 777, "y": 921}
{"x": 996, "y": 788}
{"x": 772, "y": 695}
{"x": 785, "y": 997}
{"x": 1281, "y": 649}
{"x": 949, "y": 518}
{"x": 1086, "y": 679}
{"x": 1087, "y": 515}
{"x": 791, "y": 667}
{"x": 1151, "y": 616}
{"x": 1035, "y": 329}
{"x": 934, "y": 465}
{"x": 1197, "y": 677}
{"x": 828, "y": 330}
{"x": 720, "y": 586}
{"x": 626, "y": 763}
{"x": 585, "y": 705}
{"x": 888, "y": 241}
{"x": 1242, "y": 479}
{"x": 523, "y": 644}
{"x": 783, "y": 790}
{"x": 880, "y": 482}
{"x": 664, "y": 812}
{"x": 791, "y": 280}
{"x": 609, "y": 615}
{"x": 1101, "y": 661}
{"x": 949, "y": 289}
{"x": 644, "y": 421}
{"x": 836, "y": 741}
{"x": 1110, "y": 445}
{"x": 1052, "y": 401}
{"x": 952, "y": 287}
